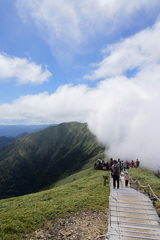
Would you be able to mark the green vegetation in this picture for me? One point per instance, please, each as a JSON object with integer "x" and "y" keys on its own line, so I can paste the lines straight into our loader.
{"x": 59, "y": 160}
{"x": 147, "y": 177}
{"x": 40, "y": 159}
{"x": 86, "y": 169}
{"x": 60, "y": 156}
{"x": 5, "y": 140}
{"x": 23, "y": 215}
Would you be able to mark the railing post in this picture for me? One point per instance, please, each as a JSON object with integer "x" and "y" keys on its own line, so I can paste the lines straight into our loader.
{"x": 105, "y": 177}
{"x": 148, "y": 191}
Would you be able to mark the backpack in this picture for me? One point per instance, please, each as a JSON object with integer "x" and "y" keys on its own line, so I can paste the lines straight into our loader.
{"x": 116, "y": 170}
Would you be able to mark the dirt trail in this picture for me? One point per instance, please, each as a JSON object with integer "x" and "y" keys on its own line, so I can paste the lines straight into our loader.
{"x": 85, "y": 225}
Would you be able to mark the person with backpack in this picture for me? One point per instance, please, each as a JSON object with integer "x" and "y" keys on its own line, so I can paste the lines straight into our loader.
{"x": 115, "y": 174}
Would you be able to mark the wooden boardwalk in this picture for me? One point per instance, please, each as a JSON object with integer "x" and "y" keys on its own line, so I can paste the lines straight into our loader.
{"x": 131, "y": 215}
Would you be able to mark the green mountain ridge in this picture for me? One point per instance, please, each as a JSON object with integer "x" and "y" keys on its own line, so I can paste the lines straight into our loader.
{"x": 40, "y": 159}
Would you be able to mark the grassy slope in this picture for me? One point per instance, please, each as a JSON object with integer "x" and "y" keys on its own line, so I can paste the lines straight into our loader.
{"x": 38, "y": 160}
{"x": 87, "y": 168}
{"x": 22, "y": 215}
{"x": 147, "y": 177}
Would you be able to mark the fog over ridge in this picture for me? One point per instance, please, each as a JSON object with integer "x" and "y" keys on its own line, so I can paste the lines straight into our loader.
{"x": 127, "y": 121}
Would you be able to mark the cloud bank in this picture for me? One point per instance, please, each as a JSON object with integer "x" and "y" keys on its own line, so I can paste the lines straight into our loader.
{"x": 22, "y": 70}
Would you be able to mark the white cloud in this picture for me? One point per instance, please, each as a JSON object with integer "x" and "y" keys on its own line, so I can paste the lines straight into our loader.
{"x": 136, "y": 52}
{"x": 66, "y": 24}
{"x": 22, "y": 70}
{"x": 46, "y": 108}
{"x": 122, "y": 113}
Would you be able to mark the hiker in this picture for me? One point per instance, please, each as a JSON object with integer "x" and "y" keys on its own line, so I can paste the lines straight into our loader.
{"x": 111, "y": 163}
{"x": 119, "y": 164}
{"x": 137, "y": 163}
{"x": 126, "y": 178}
{"x": 107, "y": 165}
{"x": 104, "y": 165}
{"x": 97, "y": 165}
{"x": 100, "y": 164}
{"x": 128, "y": 164}
{"x": 115, "y": 174}
{"x": 124, "y": 166}
{"x": 132, "y": 164}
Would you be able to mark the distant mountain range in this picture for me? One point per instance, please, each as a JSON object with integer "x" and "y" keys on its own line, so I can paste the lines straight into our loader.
{"x": 14, "y": 130}
{"x": 10, "y": 133}
{"x": 39, "y": 159}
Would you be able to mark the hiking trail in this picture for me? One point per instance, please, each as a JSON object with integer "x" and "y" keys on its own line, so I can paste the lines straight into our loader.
{"x": 131, "y": 215}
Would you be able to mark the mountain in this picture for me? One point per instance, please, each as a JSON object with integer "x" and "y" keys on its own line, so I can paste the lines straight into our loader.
{"x": 39, "y": 159}
{"x": 5, "y": 140}
{"x": 14, "y": 130}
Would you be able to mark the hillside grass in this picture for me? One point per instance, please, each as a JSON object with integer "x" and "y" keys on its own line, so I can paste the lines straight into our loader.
{"x": 23, "y": 215}
{"x": 87, "y": 168}
{"x": 147, "y": 177}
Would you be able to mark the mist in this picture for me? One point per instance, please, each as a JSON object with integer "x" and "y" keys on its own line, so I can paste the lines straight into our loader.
{"x": 125, "y": 118}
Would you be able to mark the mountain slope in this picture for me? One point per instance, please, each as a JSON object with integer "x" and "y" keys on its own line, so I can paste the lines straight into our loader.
{"x": 40, "y": 159}
{"x": 5, "y": 140}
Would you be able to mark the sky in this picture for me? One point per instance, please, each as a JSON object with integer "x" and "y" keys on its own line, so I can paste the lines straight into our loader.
{"x": 87, "y": 61}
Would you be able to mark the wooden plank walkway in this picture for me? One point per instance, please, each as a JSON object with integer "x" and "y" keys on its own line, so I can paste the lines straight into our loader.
{"x": 131, "y": 215}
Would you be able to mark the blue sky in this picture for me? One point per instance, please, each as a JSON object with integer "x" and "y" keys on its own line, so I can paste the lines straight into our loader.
{"x": 67, "y": 37}
{"x": 88, "y": 61}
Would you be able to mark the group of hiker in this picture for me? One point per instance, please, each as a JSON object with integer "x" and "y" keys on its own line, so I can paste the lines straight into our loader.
{"x": 116, "y": 167}
{"x": 123, "y": 165}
